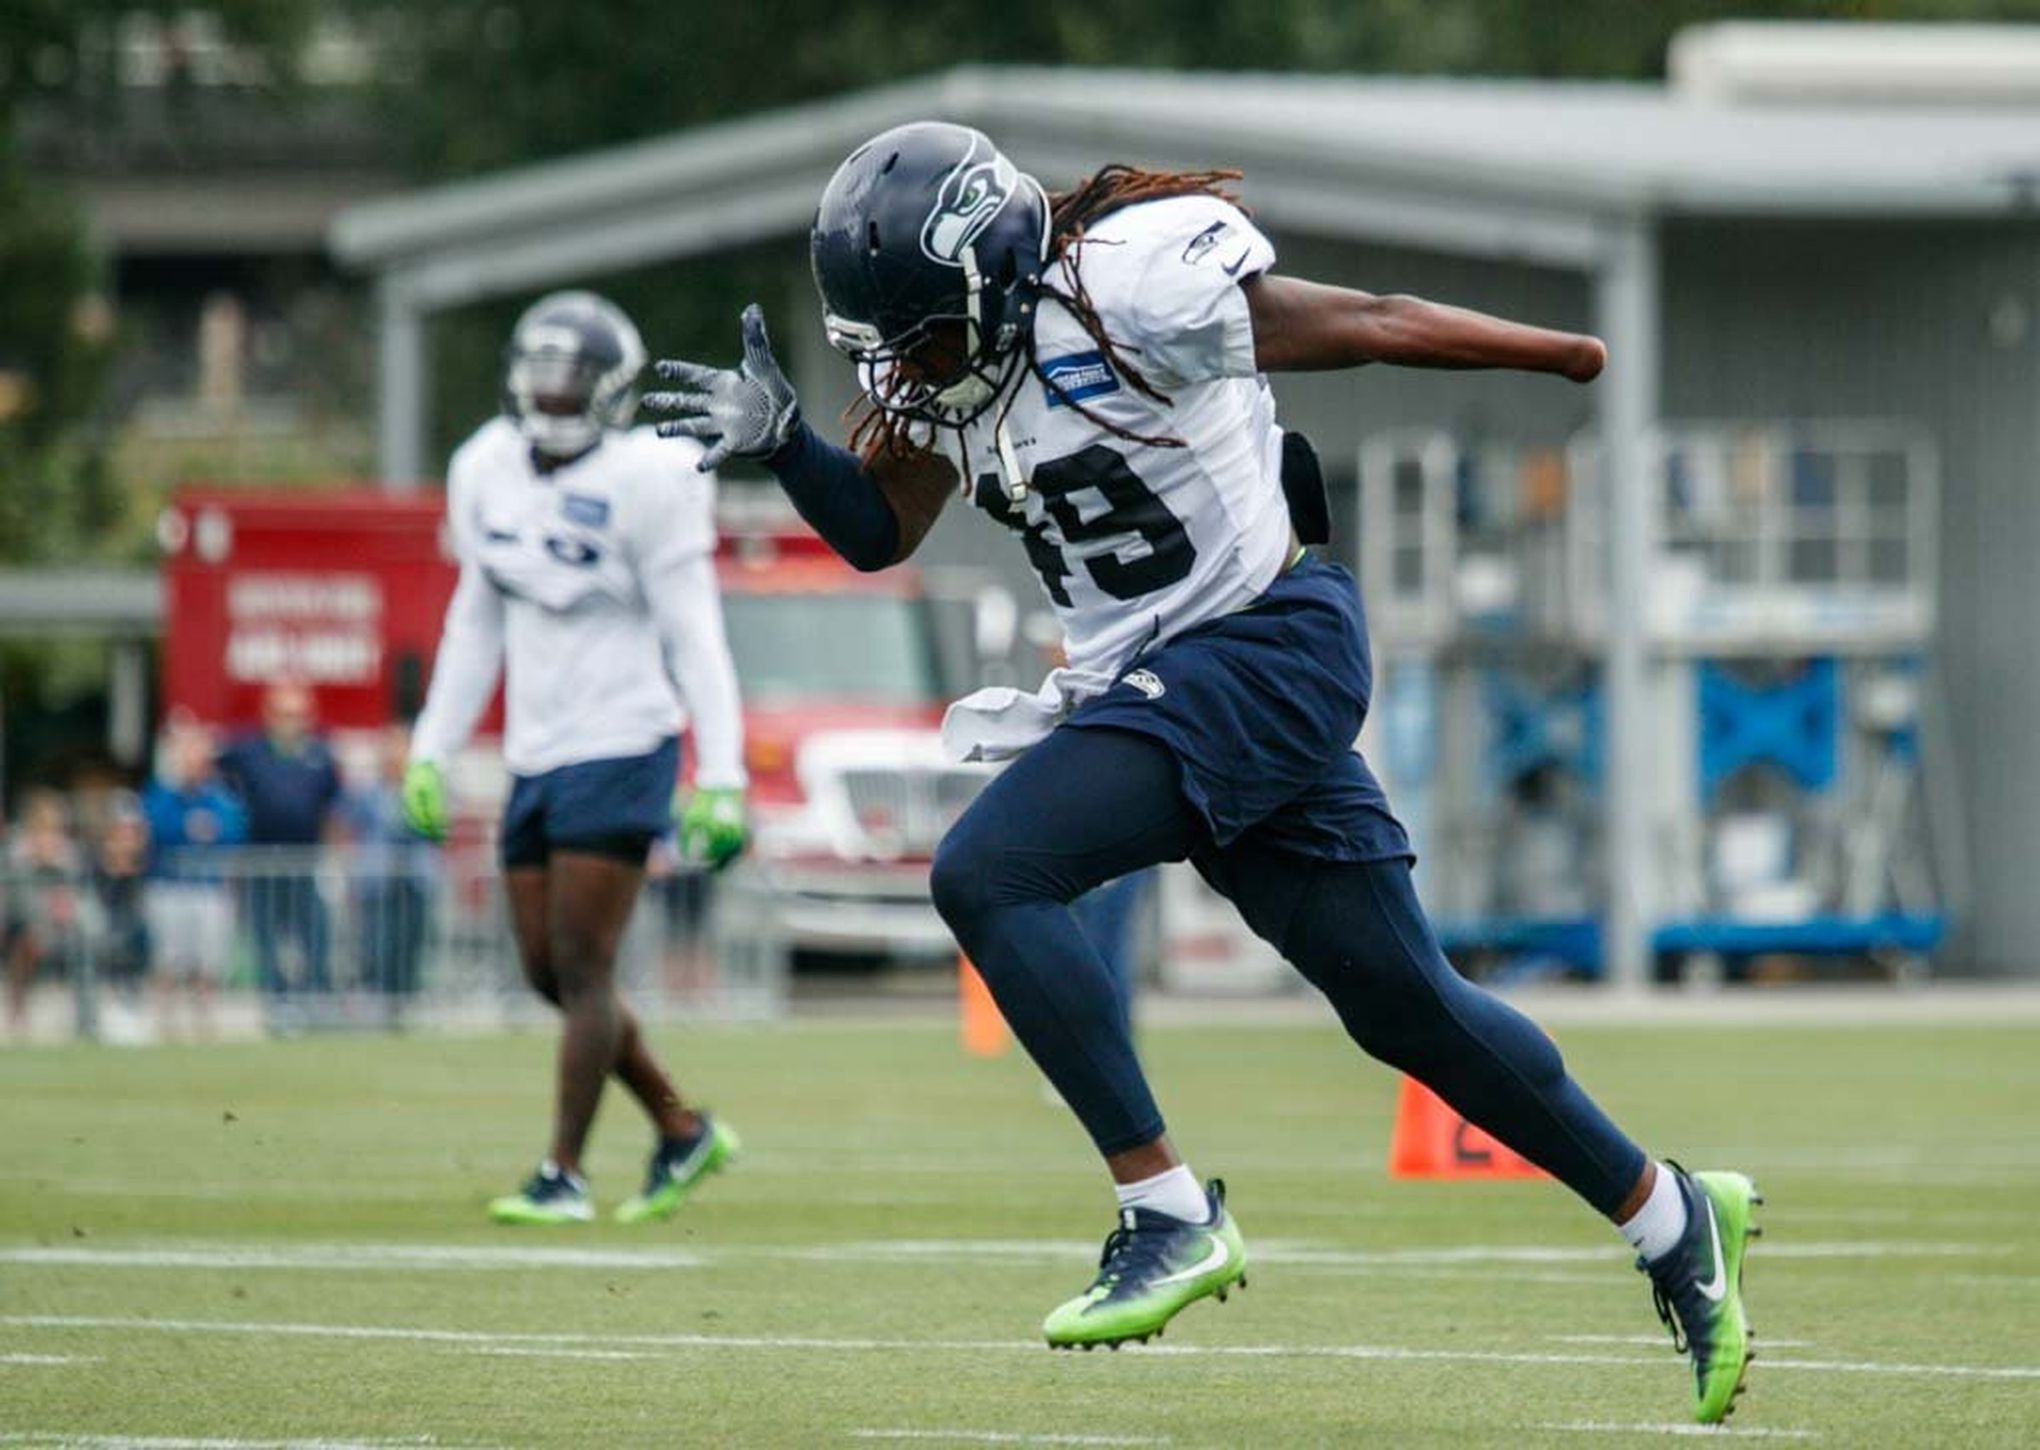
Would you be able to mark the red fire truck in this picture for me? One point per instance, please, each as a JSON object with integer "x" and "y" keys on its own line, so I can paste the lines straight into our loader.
{"x": 345, "y": 590}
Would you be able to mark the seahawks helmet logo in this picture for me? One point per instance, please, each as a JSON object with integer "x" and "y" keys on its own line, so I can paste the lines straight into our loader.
{"x": 971, "y": 196}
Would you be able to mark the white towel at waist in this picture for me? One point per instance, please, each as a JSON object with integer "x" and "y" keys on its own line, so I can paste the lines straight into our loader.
{"x": 1000, "y": 722}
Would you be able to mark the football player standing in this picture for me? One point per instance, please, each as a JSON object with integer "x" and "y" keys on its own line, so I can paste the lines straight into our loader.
{"x": 1088, "y": 368}
{"x": 587, "y": 579}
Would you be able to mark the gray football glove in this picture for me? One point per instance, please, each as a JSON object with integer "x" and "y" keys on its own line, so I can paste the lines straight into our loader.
{"x": 749, "y": 410}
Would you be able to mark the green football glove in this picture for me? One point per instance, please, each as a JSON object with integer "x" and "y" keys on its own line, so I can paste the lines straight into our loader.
{"x": 713, "y": 827}
{"x": 424, "y": 800}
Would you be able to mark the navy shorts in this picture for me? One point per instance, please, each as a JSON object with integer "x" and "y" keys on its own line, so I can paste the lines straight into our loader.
{"x": 604, "y": 807}
{"x": 1262, "y": 708}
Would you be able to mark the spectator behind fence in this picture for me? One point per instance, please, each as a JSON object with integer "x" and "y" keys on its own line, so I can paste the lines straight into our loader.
{"x": 286, "y": 778}
{"x": 44, "y": 918}
{"x": 119, "y": 882}
{"x": 395, "y": 871}
{"x": 193, "y": 822}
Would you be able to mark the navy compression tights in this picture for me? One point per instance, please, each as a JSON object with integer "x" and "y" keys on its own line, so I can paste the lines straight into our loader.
{"x": 1085, "y": 806}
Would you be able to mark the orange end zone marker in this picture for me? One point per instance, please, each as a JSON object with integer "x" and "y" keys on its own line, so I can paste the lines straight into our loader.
{"x": 1433, "y": 1141}
{"x": 984, "y": 1030}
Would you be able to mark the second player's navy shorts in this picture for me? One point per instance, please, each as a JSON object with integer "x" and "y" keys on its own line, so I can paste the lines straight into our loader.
{"x": 604, "y": 807}
{"x": 1262, "y": 708}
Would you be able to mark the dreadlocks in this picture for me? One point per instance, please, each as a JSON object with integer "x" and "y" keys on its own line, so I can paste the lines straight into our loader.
{"x": 1071, "y": 215}
{"x": 875, "y": 432}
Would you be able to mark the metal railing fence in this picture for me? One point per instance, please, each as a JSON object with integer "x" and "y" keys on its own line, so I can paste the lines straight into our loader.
{"x": 299, "y": 939}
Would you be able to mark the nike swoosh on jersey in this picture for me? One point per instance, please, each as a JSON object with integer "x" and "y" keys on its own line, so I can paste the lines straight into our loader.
{"x": 1715, "y": 1288}
{"x": 1232, "y": 268}
{"x": 1214, "y": 1260}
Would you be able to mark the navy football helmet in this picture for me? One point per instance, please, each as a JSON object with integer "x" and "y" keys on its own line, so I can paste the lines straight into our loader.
{"x": 570, "y": 372}
{"x": 928, "y": 249}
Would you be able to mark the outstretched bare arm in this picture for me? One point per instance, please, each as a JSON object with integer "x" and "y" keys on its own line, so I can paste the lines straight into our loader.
{"x": 916, "y": 485}
{"x": 1304, "y": 326}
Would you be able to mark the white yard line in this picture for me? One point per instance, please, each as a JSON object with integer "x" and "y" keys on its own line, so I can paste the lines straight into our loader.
{"x": 345, "y": 1257}
{"x": 1879, "y": 1249}
{"x": 405, "y": 1257}
{"x": 1661, "y": 1339}
{"x": 1006, "y": 1437}
{"x": 70, "y": 1441}
{"x": 519, "y": 1351}
{"x": 1378, "y": 1352}
{"x": 470, "y": 1337}
{"x": 231, "y": 1190}
{"x": 1743, "y": 1432}
{"x": 1310, "y": 1256}
{"x": 1843, "y": 1366}
{"x": 48, "y": 1359}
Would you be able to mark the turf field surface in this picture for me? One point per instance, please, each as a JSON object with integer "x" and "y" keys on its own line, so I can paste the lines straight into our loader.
{"x": 283, "y": 1245}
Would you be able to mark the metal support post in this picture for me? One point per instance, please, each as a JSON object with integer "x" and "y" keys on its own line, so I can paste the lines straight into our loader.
{"x": 127, "y": 707}
{"x": 402, "y": 370}
{"x": 1626, "y": 305}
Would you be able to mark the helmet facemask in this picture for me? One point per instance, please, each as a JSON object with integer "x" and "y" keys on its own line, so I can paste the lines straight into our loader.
{"x": 570, "y": 378}
{"x": 949, "y": 363}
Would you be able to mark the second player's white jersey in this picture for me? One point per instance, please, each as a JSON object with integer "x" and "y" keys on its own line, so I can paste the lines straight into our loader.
{"x": 593, "y": 586}
{"x": 1137, "y": 542}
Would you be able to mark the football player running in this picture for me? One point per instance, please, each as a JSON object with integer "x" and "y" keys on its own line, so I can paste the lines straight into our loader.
{"x": 1088, "y": 369}
{"x": 587, "y": 578}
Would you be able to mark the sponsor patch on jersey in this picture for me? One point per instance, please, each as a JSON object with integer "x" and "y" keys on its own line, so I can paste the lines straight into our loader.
{"x": 1147, "y": 682}
{"x": 581, "y": 508}
{"x": 1199, "y": 247}
{"x": 1077, "y": 376}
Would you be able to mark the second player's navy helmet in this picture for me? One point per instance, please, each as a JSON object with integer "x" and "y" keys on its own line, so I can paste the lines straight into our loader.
{"x": 928, "y": 249}
{"x": 570, "y": 372}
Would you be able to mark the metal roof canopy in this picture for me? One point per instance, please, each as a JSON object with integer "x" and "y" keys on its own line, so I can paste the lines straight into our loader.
{"x": 1573, "y": 176}
{"x": 1548, "y": 174}
{"x": 88, "y": 602}
{"x": 1458, "y": 151}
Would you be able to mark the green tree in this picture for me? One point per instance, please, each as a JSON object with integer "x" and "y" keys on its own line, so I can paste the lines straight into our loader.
{"x": 53, "y": 485}
{"x": 473, "y": 86}
{"x": 479, "y": 84}
{"x": 57, "y": 499}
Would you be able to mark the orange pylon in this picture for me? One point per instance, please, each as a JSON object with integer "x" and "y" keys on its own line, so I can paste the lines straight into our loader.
{"x": 1433, "y": 1141}
{"x": 984, "y": 1030}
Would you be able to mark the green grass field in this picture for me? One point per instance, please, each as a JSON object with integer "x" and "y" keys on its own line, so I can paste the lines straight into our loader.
{"x": 282, "y": 1245}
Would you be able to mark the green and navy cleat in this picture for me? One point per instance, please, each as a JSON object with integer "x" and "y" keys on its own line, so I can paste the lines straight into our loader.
{"x": 551, "y": 1196}
{"x": 1152, "y": 1267}
{"x": 1697, "y": 1288}
{"x": 677, "y": 1166}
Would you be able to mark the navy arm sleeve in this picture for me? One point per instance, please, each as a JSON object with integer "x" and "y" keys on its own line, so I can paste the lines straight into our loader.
{"x": 840, "y": 500}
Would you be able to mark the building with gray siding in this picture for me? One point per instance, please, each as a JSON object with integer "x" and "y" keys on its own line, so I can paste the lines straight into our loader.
{"x": 1767, "y": 260}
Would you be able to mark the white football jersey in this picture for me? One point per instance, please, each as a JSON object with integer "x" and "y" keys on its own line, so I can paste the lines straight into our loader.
{"x": 593, "y": 585}
{"x": 1135, "y": 542}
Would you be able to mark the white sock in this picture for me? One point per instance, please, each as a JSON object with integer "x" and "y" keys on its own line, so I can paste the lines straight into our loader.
{"x": 1661, "y": 1222}
{"x": 1174, "y": 1192}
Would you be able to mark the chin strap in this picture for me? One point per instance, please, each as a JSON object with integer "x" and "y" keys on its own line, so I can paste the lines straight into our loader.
{"x": 1009, "y": 462}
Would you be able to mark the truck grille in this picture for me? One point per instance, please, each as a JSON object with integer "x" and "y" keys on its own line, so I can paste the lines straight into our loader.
{"x": 904, "y": 811}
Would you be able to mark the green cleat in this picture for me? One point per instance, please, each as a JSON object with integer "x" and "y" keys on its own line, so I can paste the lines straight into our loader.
{"x": 550, "y": 1196}
{"x": 1697, "y": 1289}
{"x": 1152, "y": 1267}
{"x": 677, "y": 1166}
